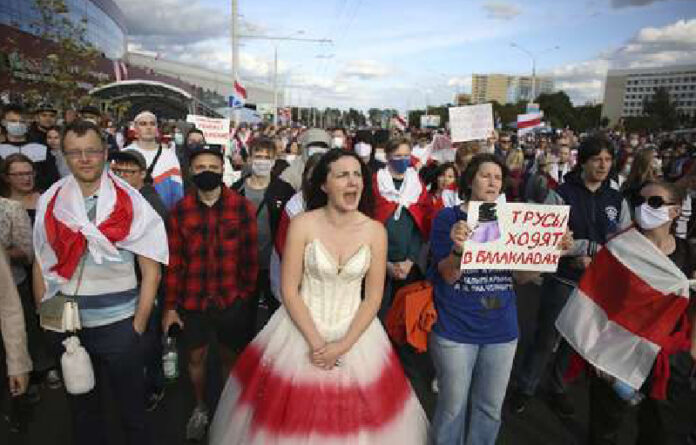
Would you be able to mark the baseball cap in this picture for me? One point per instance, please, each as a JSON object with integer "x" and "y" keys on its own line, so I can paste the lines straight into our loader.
{"x": 130, "y": 155}
{"x": 46, "y": 106}
{"x": 89, "y": 109}
{"x": 314, "y": 136}
{"x": 213, "y": 149}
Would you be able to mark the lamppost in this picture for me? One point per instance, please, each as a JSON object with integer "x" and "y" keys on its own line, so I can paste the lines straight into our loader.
{"x": 533, "y": 56}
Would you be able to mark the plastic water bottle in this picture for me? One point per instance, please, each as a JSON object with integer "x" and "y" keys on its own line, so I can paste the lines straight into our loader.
{"x": 626, "y": 392}
{"x": 170, "y": 354}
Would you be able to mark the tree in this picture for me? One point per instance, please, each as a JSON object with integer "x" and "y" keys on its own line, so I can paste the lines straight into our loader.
{"x": 68, "y": 67}
{"x": 558, "y": 109}
{"x": 661, "y": 111}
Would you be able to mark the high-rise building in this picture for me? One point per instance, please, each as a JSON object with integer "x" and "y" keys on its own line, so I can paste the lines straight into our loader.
{"x": 626, "y": 90}
{"x": 503, "y": 88}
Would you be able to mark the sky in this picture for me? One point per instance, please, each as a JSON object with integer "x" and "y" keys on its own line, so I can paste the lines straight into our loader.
{"x": 406, "y": 54}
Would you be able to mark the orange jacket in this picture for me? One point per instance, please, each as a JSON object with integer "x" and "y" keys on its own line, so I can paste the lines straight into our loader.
{"x": 412, "y": 315}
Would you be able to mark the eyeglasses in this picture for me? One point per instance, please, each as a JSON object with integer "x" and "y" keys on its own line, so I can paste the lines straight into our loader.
{"x": 125, "y": 171}
{"x": 77, "y": 154}
{"x": 653, "y": 201}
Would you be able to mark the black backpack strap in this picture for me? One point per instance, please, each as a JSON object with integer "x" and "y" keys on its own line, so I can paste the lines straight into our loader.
{"x": 151, "y": 168}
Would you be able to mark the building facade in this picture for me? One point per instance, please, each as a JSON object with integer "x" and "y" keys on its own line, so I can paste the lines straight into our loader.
{"x": 105, "y": 24}
{"x": 217, "y": 82}
{"x": 625, "y": 91}
{"x": 504, "y": 88}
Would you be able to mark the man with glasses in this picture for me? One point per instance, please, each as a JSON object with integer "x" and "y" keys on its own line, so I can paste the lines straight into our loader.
{"x": 163, "y": 168}
{"x": 131, "y": 166}
{"x": 504, "y": 147}
{"x": 17, "y": 142}
{"x": 97, "y": 267}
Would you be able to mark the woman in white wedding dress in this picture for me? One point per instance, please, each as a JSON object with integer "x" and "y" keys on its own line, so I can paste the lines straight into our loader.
{"x": 323, "y": 370}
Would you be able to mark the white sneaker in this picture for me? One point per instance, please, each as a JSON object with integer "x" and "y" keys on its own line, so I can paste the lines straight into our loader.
{"x": 197, "y": 424}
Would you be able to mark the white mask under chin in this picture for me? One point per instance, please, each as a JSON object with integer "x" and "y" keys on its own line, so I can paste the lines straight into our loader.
{"x": 648, "y": 218}
{"x": 363, "y": 149}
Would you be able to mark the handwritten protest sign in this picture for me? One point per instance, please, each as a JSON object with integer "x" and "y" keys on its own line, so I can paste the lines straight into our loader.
{"x": 470, "y": 123}
{"x": 215, "y": 131}
{"x": 514, "y": 236}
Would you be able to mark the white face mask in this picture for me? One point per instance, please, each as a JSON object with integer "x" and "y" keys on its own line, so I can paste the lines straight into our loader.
{"x": 648, "y": 218}
{"x": 337, "y": 142}
{"x": 634, "y": 142}
{"x": 363, "y": 149}
{"x": 312, "y": 149}
{"x": 289, "y": 158}
{"x": 16, "y": 129}
{"x": 178, "y": 139}
{"x": 381, "y": 156}
{"x": 261, "y": 167}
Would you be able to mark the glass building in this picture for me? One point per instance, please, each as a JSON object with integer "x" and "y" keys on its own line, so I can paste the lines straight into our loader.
{"x": 105, "y": 23}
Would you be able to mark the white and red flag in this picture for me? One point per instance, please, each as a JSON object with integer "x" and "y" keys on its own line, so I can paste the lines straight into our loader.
{"x": 622, "y": 317}
{"x": 63, "y": 232}
{"x": 399, "y": 122}
{"x": 528, "y": 122}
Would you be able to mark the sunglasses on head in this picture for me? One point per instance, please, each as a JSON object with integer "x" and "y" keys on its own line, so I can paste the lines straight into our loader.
{"x": 653, "y": 201}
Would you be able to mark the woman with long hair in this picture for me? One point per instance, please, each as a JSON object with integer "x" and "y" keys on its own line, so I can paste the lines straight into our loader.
{"x": 19, "y": 174}
{"x": 323, "y": 369}
{"x": 641, "y": 171}
{"x": 442, "y": 188}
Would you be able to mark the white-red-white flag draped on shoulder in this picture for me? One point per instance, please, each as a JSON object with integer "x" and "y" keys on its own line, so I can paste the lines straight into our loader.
{"x": 124, "y": 220}
{"x": 623, "y": 316}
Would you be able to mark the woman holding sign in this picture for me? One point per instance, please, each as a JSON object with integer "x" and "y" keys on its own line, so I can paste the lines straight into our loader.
{"x": 474, "y": 340}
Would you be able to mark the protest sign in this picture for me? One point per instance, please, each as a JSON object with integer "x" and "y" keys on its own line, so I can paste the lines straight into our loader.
{"x": 470, "y": 123}
{"x": 533, "y": 108}
{"x": 430, "y": 121}
{"x": 215, "y": 131}
{"x": 514, "y": 236}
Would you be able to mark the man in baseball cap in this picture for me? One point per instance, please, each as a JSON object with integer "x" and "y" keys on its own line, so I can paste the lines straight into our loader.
{"x": 44, "y": 118}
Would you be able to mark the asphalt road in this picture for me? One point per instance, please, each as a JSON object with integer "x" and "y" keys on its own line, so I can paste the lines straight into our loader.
{"x": 49, "y": 423}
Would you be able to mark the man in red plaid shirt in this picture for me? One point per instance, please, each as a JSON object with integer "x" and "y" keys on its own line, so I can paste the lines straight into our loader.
{"x": 212, "y": 272}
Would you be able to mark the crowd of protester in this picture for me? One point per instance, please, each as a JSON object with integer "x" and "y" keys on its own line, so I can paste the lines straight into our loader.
{"x": 207, "y": 235}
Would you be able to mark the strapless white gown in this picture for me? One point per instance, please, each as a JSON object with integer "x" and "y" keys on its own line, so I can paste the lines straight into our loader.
{"x": 274, "y": 395}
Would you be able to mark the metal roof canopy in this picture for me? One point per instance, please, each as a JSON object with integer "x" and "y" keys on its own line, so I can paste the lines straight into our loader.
{"x": 166, "y": 101}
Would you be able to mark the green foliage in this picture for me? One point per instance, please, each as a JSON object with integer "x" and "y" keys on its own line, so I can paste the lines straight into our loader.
{"x": 71, "y": 58}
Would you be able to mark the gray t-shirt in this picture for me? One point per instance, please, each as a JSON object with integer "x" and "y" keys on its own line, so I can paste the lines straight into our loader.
{"x": 263, "y": 226}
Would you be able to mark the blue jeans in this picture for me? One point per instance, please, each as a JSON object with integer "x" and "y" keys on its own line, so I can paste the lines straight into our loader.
{"x": 554, "y": 295}
{"x": 467, "y": 370}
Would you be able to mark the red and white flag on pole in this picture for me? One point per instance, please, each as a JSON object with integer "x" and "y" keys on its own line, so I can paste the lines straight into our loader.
{"x": 399, "y": 122}
{"x": 622, "y": 316}
{"x": 528, "y": 122}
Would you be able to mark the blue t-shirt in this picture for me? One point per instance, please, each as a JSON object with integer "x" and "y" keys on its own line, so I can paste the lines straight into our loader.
{"x": 480, "y": 307}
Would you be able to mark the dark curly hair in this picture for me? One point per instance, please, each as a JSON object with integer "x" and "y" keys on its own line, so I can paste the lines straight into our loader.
{"x": 317, "y": 198}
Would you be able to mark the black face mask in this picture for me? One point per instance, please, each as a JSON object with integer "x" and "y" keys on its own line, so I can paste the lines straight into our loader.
{"x": 207, "y": 180}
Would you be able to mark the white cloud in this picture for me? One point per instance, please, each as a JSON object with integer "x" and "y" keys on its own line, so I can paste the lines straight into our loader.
{"x": 626, "y": 3}
{"x": 499, "y": 10}
{"x": 671, "y": 44}
{"x": 365, "y": 69}
{"x": 461, "y": 83}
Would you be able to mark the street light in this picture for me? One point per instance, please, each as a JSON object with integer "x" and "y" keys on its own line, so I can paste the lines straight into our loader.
{"x": 533, "y": 57}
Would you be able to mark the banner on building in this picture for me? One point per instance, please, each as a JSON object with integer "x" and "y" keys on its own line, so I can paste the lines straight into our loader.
{"x": 513, "y": 236}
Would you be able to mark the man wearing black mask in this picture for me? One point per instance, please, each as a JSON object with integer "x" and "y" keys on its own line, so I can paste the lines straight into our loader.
{"x": 212, "y": 273}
